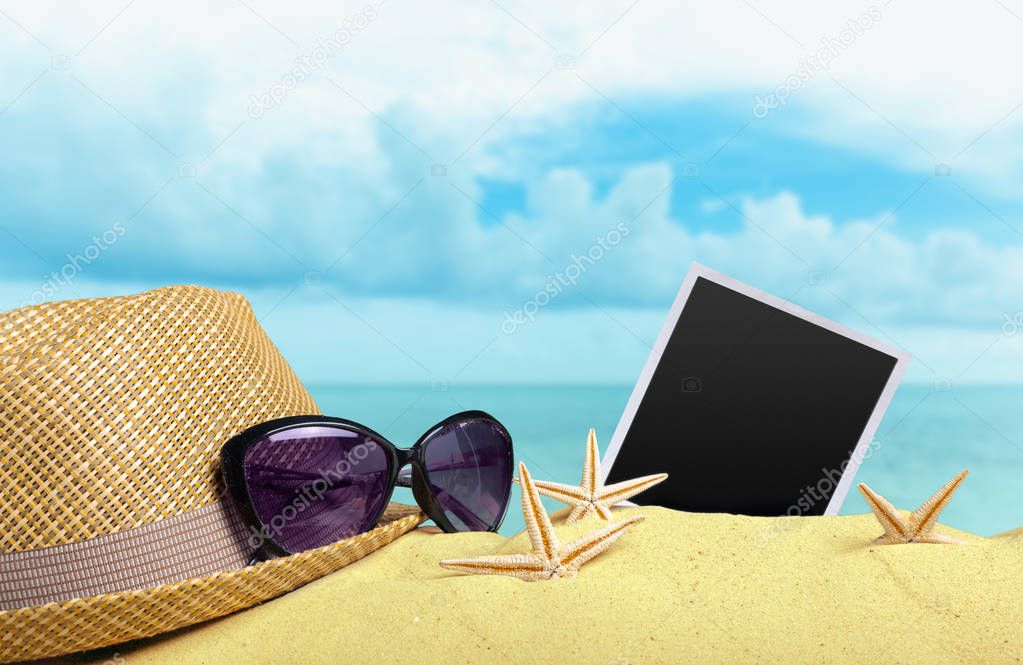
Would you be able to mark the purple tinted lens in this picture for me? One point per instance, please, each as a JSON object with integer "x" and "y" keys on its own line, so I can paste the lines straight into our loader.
{"x": 468, "y": 468}
{"x": 312, "y": 486}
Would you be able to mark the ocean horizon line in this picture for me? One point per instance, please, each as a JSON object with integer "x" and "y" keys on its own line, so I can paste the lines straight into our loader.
{"x": 606, "y": 384}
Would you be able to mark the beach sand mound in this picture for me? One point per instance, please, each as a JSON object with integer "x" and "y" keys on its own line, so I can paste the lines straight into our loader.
{"x": 679, "y": 588}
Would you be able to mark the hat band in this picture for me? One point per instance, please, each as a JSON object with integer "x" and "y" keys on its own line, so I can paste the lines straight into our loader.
{"x": 197, "y": 543}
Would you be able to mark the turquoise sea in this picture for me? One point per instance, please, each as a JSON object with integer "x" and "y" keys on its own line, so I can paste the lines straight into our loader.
{"x": 926, "y": 437}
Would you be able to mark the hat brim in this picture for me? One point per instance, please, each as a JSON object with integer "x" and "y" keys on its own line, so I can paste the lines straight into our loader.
{"x": 75, "y": 625}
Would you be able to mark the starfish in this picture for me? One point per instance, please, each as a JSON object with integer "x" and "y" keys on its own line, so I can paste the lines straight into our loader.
{"x": 592, "y": 496}
{"x": 548, "y": 558}
{"x": 919, "y": 528}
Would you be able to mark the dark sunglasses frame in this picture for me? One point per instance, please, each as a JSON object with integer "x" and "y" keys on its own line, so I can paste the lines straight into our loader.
{"x": 232, "y": 459}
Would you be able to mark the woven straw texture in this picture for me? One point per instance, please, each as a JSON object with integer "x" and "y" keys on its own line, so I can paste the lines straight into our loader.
{"x": 113, "y": 410}
{"x": 112, "y": 415}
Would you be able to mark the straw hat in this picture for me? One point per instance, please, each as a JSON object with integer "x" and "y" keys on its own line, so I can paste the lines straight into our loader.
{"x": 113, "y": 524}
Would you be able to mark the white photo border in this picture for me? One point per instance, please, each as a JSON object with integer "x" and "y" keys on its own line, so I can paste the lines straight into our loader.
{"x": 902, "y": 359}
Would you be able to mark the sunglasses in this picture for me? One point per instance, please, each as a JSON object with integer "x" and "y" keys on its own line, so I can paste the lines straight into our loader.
{"x": 303, "y": 482}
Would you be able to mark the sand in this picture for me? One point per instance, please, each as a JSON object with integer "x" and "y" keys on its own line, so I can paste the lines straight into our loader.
{"x": 679, "y": 588}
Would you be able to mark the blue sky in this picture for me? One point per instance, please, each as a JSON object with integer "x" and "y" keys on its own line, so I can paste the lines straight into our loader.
{"x": 386, "y": 213}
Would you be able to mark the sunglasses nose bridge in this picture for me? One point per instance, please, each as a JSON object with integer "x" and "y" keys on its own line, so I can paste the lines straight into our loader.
{"x": 404, "y": 461}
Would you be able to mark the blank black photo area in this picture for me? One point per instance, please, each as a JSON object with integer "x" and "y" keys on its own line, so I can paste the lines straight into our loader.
{"x": 751, "y": 409}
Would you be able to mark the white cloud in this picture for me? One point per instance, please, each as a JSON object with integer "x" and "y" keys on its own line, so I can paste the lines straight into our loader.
{"x": 943, "y": 296}
{"x": 941, "y": 75}
{"x": 317, "y": 173}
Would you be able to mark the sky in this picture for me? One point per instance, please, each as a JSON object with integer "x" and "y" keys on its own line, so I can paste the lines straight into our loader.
{"x": 500, "y": 192}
